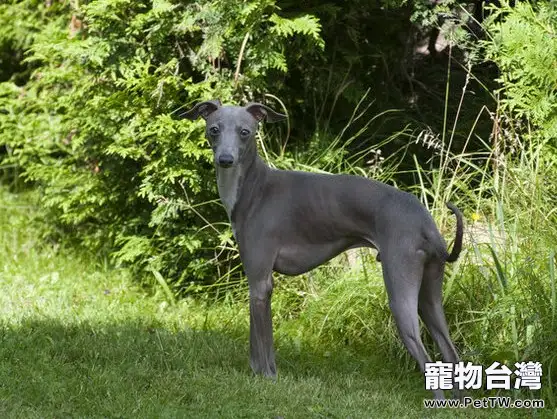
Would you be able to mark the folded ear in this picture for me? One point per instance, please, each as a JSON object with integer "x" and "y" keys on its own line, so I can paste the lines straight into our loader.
{"x": 262, "y": 112}
{"x": 203, "y": 109}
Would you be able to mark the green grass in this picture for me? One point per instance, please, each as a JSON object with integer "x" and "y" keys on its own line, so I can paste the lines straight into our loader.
{"x": 80, "y": 339}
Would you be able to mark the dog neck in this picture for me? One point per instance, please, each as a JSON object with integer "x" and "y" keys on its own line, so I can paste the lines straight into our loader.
{"x": 229, "y": 181}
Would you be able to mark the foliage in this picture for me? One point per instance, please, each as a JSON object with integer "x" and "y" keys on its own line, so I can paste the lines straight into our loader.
{"x": 94, "y": 126}
{"x": 523, "y": 44}
{"x": 22, "y": 21}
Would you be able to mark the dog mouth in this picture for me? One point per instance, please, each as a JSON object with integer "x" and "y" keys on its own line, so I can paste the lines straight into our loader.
{"x": 225, "y": 163}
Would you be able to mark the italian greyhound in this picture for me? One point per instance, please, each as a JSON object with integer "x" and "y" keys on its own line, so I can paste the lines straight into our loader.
{"x": 291, "y": 222}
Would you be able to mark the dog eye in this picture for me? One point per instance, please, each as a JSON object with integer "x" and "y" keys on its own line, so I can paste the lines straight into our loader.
{"x": 214, "y": 130}
{"x": 244, "y": 132}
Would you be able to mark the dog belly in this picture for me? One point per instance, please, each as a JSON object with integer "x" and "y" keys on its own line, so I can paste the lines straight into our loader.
{"x": 297, "y": 259}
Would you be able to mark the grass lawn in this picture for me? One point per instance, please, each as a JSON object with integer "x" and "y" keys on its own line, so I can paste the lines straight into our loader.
{"x": 79, "y": 339}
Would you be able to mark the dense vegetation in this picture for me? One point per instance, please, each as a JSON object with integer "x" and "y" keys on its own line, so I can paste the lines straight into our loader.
{"x": 447, "y": 100}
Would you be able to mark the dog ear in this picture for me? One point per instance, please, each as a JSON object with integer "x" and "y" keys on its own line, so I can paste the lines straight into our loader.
{"x": 262, "y": 112}
{"x": 203, "y": 109}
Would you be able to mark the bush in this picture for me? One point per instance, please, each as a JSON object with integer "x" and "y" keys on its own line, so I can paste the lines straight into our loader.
{"x": 95, "y": 127}
{"x": 523, "y": 44}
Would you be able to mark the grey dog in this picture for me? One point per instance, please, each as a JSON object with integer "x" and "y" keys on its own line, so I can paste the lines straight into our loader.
{"x": 290, "y": 222}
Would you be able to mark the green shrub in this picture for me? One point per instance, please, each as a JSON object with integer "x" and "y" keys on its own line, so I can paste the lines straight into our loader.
{"x": 95, "y": 126}
{"x": 523, "y": 43}
{"x": 21, "y": 22}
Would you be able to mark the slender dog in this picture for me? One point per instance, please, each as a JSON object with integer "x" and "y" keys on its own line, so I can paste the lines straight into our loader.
{"x": 290, "y": 222}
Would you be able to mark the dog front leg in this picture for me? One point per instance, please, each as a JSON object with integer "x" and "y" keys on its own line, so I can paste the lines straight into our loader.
{"x": 262, "y": 355}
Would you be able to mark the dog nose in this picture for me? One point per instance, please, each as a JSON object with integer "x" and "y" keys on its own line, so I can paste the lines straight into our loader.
{"x": 226, "y": 160}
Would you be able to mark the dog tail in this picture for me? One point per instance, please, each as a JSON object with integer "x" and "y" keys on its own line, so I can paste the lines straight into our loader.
{"x": 457, "y": 246}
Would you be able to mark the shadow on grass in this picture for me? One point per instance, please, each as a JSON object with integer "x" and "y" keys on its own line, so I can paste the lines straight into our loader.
{"x": 50, "y": 369}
